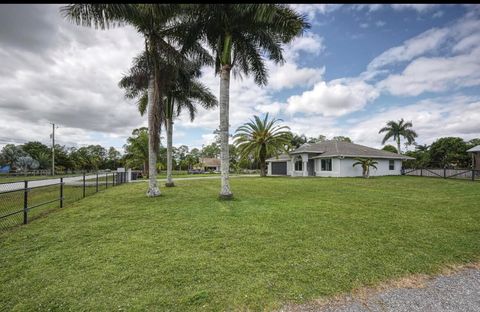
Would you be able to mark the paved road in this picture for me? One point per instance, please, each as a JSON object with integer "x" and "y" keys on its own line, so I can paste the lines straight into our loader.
{"x": 78, "y": 180}
{"x": 459, "y": 292}
{"x": 35, "y": 183}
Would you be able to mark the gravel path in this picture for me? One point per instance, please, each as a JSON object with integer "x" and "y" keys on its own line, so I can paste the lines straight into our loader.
{"x": 445, "y": 293}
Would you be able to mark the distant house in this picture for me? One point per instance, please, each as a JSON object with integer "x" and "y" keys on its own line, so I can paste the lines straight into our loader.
{"x": 475, "y": 157}
{"x": 333, "y": 159}
{"x": 209, "y": 164}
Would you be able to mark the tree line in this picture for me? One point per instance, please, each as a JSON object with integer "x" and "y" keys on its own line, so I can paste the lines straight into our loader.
{"x": 35, "y": 155}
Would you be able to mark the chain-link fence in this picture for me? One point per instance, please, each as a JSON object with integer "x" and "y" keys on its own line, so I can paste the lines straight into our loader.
{"x": 23, "y": 201}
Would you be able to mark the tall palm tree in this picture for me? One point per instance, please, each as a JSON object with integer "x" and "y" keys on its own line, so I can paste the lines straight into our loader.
{"x": 262, "y": 139}
{"x": 240, "y": 36}
{"x": 397, "y": 130}
{"x": 183, "y": 91}
{"x": 366, "y": 163}
{"x": 182, "y": 94}
{"x": 158, "y": 24}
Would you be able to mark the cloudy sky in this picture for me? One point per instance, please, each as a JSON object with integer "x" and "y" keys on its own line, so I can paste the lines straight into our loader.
{"x": 356, "y": 68}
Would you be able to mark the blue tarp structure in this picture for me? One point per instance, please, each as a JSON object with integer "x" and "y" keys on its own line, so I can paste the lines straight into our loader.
{"x": 5, "y": 169}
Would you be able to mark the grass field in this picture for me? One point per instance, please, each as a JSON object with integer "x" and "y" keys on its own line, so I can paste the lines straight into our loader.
{"x": 281, "y": 240}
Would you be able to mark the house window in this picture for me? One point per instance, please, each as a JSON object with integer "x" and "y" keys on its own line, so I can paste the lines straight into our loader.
{"x": 391, "y": 164}
{"x": 299, "y": 165}
{"x": 326, "y": 165}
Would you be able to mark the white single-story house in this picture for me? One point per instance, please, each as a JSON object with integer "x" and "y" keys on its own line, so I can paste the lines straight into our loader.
{"x": 333, "y": 159}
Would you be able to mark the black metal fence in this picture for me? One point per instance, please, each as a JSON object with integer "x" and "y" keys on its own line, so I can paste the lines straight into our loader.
{"x": 23, "y": 201}
{"x": 463, "y": 174}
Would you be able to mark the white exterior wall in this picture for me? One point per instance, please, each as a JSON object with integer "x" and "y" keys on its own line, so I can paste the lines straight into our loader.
{"x": 342, "y": 168}
{"x": 291, "y": 170}
{"x": 336, "y": 170}
{"x": 347, "y": 169}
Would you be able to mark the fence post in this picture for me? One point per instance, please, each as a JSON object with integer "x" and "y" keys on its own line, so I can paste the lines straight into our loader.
{"x": 473, "y": 175}
{"x": 421, "y": 172}
{"x": 25, "y": 203}
{"x": 106, "y": 180}
{"x": 113, "y": 179}
{"x": 444, "y": 173}
{"x": 96, "y": 185}
{"x": 83, "y": 184}
{"x": 61, "y": 192}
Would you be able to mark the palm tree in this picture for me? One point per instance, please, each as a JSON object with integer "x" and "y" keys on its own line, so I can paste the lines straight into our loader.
{"x": 262, "y": 139}
{"x": 366, "y": 163}
{"x": 298, "y": 140}
{"x": 240, "y": 36}
{"x": 397, "y": 130}
{"x": 158, "y": 24}
{"x": 183, "y": 91}
{"x": 137, "y": 147}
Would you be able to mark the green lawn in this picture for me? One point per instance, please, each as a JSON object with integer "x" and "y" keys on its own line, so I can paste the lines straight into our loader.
{"x": 281, "y": 240}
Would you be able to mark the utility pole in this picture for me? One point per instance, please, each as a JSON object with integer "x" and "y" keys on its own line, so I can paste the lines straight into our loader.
{"x": 53, "y": 149}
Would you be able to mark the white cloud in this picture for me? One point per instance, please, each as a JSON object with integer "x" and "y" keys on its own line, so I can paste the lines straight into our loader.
{"x": 431, "y": 118}
{"x": 413, "y": 6}
{"x": 467, "y": 43}
{"x": 290, "y": 76}
{"x": 380, "y": 23}
{"x": 335, "y": 98}
{"x": 438, "y": 14}
{"x": 435, "y": 75}
{"x": 398, "y": 7}
{"x": 311, "y": 10}
{"x": 272, "y": 109}
{"x": 313, "y": 126}
{"x": 309, "y": 43}
{"x": 69, "y": 78}
{"x": 410, "y": 49}
{"x": 208, "y": 138}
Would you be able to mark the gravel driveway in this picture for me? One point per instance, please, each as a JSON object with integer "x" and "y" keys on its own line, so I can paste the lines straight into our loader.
{"x": 459, "y": 291}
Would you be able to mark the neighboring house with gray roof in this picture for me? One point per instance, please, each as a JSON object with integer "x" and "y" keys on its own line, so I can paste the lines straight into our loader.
{"x": 475, "y": 157}
{"x": 334, "y": 159}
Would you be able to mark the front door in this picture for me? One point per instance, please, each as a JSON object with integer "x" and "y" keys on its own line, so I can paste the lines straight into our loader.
{"x": 311, "y": 167}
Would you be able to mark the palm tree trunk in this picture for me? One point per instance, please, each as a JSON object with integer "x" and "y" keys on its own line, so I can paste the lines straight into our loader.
{"x": 225, "y": 192}
{"x": 398, "y": 145}
{"x": 262, "y": 157}
{"x": 145, "y": 168}
{"x": 169, "y": 123}
{"x": 262, "y": 168}
{"x": 152, "y": 155}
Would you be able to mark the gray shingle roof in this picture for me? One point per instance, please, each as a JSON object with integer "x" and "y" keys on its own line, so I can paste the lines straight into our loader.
{"x": 281, "y": 157}
{"x": 474, "y": 149}
{"x": 343, "y": 149}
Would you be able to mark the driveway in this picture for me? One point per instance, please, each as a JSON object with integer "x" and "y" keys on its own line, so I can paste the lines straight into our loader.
{"x": 457, "y": 292}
